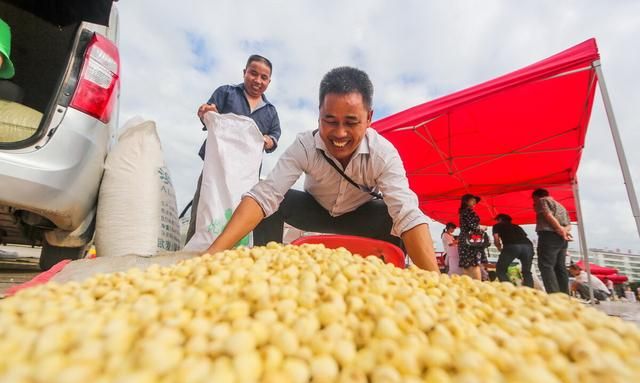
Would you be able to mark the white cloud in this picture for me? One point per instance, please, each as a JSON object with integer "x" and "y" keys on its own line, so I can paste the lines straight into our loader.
{"x": 413, "y": 50}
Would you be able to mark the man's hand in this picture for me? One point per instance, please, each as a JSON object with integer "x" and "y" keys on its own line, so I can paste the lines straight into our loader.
{"x": 268, "y": 142}
{"x": 497, "y": 241}
{"x": 245, "y": 218}
{"x": 564, "y": 233}
{"x": 204, "y": 108}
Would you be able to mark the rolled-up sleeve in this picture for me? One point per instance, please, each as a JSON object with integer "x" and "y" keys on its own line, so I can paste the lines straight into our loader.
{"x": 274, "y": 131}
{"x": 270, "y": 192}
{"x": 401, "y": 201}
{"x": 219, "y": 97}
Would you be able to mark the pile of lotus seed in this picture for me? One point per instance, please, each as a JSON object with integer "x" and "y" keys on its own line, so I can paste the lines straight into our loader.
{"x": 305, "y": 314}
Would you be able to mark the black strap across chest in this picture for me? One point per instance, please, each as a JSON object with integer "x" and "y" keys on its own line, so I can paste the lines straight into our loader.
{"x": 370, "y": 191}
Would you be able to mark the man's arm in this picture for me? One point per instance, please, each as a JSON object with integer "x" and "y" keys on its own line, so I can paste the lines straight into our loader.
{"x": 264, "y": 198}
{"x": 245, "y": 218}
{"x": 497, "y": 241}
{"x": 574, "y": 286}
{"x": 559, "y": 229}
{"x": 420, "y": 247}
{"x": 215, "y": 104}
{"x": 543, "y": 207}
{"x": 409, "y": 222}
{"x": 273, "y": 135}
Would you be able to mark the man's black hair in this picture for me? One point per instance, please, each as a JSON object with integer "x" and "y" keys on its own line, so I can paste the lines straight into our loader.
{"x": 540, "y": 193}
{"x": 261, "y": 59}
{"x": 345, "y": 80}
{"x": 503, "y": 218}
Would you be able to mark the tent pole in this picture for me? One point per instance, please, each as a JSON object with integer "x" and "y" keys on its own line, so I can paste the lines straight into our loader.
{"x": 584, "y": 249}
{"x": 613, "y": 125}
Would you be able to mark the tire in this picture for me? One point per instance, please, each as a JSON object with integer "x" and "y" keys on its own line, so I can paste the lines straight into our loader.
{"x": 50, "y": 255}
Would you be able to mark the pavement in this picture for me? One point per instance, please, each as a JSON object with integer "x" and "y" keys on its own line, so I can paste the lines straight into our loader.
{"x": 18, "y": 264}
{"x": 629, "y": 311}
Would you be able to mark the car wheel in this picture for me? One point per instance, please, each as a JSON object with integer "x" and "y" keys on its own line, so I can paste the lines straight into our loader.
{"x": 50, "y": 255}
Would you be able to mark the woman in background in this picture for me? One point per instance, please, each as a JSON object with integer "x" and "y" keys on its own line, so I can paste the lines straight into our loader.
{"x": 470, "y": 256}
{"x": 450, "y": 244}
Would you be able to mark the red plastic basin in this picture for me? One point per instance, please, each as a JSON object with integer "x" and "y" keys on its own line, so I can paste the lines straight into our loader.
{"x": 358, "y": 245}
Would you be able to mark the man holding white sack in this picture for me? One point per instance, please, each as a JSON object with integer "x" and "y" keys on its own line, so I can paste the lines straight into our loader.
{"x": 355, "y": 182}
{"x": 245, "y": 99}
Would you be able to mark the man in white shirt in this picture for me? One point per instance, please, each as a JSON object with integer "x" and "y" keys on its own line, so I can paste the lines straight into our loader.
{"x": 348, "y": 166}
{"x": 581, "y": 284}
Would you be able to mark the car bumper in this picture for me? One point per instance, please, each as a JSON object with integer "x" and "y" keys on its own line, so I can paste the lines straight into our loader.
{"x": 60, "y": 179}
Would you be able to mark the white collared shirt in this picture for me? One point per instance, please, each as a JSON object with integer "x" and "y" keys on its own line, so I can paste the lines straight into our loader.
{"x": 375, "y": 164}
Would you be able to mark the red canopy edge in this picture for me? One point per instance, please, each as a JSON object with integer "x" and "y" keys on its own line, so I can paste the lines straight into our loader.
{"x": 500, "y": 139}
{"x": 597, "y": 269}
{"x": 581, "y": 55}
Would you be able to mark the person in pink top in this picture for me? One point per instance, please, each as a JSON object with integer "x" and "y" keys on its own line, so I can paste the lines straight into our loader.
{"x": 450, "y": 244}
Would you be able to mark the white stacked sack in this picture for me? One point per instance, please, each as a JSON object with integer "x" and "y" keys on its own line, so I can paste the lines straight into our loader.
{"x": 137, "y": 211}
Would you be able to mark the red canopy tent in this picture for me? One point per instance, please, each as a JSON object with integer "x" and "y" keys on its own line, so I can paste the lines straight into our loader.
{"x": 506, "y": 137}
{"x": 597, "y": 269}
{"x": 603, "y": 273}
{"x": 500, "y": 139}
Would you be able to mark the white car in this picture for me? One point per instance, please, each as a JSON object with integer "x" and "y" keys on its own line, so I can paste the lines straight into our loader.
{"x": 58, "y": 118}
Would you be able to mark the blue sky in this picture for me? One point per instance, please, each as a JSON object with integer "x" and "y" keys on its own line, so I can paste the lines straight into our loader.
{"x": 175, "y": 54}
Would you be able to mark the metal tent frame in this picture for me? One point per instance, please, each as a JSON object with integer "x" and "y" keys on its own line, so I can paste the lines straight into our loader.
{"x": 626, "y": 175}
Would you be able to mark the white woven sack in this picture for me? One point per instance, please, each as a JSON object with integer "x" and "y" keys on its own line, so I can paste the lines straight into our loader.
{"x": 231, "y": 167}
{"x": 137, "y": 211}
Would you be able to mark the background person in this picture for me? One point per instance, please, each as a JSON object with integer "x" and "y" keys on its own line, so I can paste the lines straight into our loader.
{"x": 628, "y": 293}
{"x": 581, "y": 284}
{"x": 512, "y": 242}
{"x": 470, "y": 256}
{"x": 450, "y": 244}
{"x": 244, "y": 99}
{"x": 612, "y": 291}
{"x": 553, "y": 228}
{"x": 343, "y": 148}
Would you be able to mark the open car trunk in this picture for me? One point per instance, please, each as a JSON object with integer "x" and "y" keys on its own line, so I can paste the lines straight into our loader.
{"x": 44, "y": 39}
{"x": 67, "y": 12}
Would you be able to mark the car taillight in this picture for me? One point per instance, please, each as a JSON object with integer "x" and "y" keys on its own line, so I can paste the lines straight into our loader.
{"x": 96, "y": 90}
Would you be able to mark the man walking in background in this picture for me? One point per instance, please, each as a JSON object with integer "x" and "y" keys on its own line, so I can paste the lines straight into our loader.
{"x": 512, "y": 242}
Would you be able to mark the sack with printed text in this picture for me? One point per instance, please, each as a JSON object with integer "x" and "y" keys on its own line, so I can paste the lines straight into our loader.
{"x": 231, "y": 167}
{"x": 137, "y": 210}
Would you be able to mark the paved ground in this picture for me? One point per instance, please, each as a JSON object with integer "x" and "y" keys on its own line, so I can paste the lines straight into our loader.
{"x": 17, "y": 264}
{"x": 629, "y": 311}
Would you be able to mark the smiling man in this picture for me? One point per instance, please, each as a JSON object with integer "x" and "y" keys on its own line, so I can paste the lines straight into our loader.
{"x": 244, "y": 99}
{"x": 355, "y": 183}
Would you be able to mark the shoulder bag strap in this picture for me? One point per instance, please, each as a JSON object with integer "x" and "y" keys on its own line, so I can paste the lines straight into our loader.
{"x": 374, "y": 194}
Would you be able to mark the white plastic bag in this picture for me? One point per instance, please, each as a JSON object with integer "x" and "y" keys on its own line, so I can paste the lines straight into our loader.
{"x": 231, "y": 167}
{"x": 137, "y": 210}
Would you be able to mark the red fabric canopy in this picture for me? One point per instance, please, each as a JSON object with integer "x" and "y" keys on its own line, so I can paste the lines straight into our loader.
{"x": 615, "y": 278}
{"x": 500, "y": 139}
{"x": 597, "y": 269}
